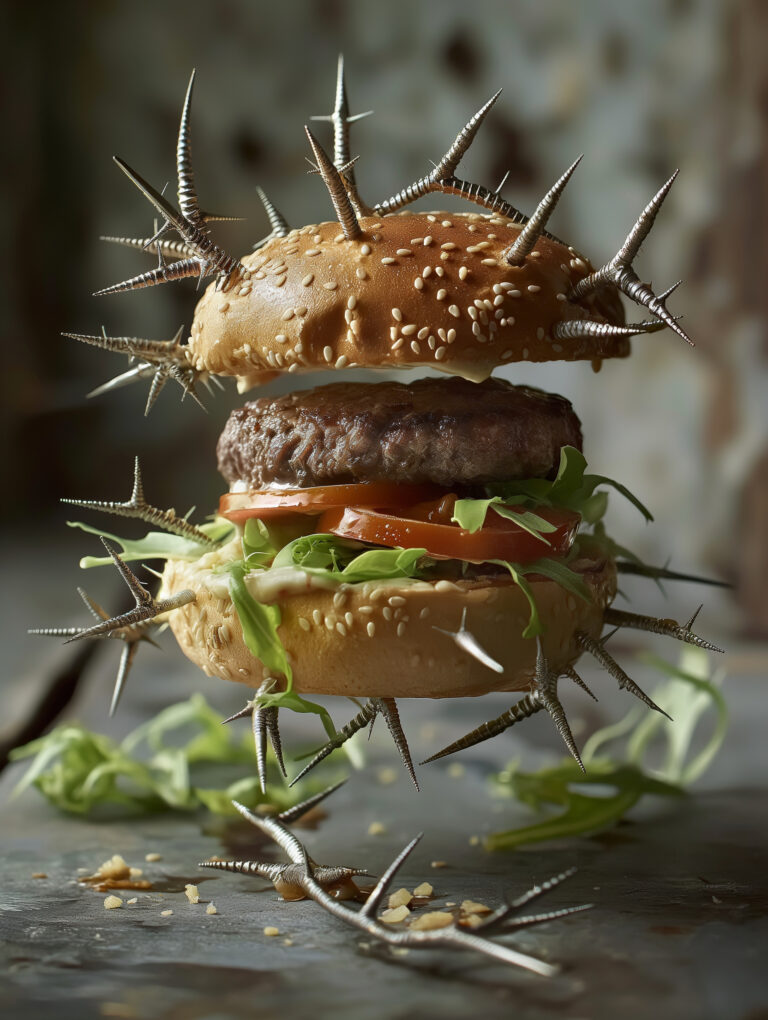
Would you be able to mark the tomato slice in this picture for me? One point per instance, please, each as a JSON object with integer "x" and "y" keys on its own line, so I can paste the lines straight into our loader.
{"x": 497, "y": 539}
{"x": 265, "y": 503}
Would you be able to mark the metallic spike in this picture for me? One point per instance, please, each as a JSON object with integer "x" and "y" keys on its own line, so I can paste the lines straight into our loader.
{"x": 516, "y": 253}
{"x": 269, "y": 871}
{"x": 574, "y": 329}
{"x": 127, "y": 656}
{"x": 543, "y": 696}
{"x": 663, "y": 574}
{"x": 146, "y": 607}
{"x": 142, "y": 371}
{"x": 656, "y": 625}
{"x": 259, "y": 727}
{"x": 363, "y": 717}
{"x": 163, "y": 274}
{"x": 388, "y": 708}
{"x": 522, "y": 709}
{"x": 502, "y": 182}
{"x": 606, "y": 660}
{"x": 447, "y": 165}
{"x": 690, "y": 623}
{"x": 529, "y": 920}
{"x": 476, "y": 193}
{"x": 273, "y": 729}
{"x": 340, "y": 119}
{"x": 619, "y": 272}
{"x": 137, "y": 507}
{"x": 153, "y": 246}
{"x": 293, "y": 814}
{"x": 467, "y": 641}
{"x": 240, "y": 714}
{"x": 304, "y": 878}
{"x": 277, "y": 221}
{"x": 379, "y": 891}
{"x": 571, "y": 673}
{"x": 336, "y": 189}
{"x": 56, "y": 631}
{"x": 542, "y": 888}
{"x": 188, "y": 202}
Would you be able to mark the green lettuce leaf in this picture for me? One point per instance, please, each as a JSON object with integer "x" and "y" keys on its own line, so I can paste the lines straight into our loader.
{"x": 157, "y": 545}
{"x": 470, "y": 514}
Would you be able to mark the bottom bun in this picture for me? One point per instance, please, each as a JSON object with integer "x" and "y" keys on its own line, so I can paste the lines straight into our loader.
{"x": 385, "y": 639}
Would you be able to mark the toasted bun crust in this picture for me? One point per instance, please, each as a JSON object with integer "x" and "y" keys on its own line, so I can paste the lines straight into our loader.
{"x": 415, "y": 290}
{"x": 379, "y": 640}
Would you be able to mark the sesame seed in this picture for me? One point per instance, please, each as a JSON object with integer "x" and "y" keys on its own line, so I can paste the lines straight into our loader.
{"x": 417, "y": 240}
{"x": 472, "y": 313}
{"x": 338, "y": 238}
{"x": 489, "y": 262}
{"x": 557, "y": 348}
{"x": 409, "y": 330}
{"x": 514, "y": 293}
{"x": 398, "y": 344}
{"x": 361, "y": 274}
{"x": 533, "y": 288}
{"x": 312, "y": 251}
{"x": 349, "y": 619}
{"x": 428, "y": 240}
{"x": 387, "y": 261}
{"x": 510, "y": 320}
{"x": 365, "y": 249}
{"x": 440, "y": 353}
{"x": 342, "y": 361}
{"x": 498, "y": 300}
{"x": 396, "y": 600}
{"x": 439, "y": 271}
{"x": 445, "y": 255}
{"x": 525, "y": 353}
{"x": 418, "y": 283}
{"x": 415, "y": 347}
{"x": 288, "y": 314}
{"x": 432, "y": 343}
{"x": 304, "y": 623}
{"x": 454, "y": 311}
{"x": 328, "y": 623}
{"x": 386, "y": 613}
{"x": 280, "y": 281}
{"x": 317, "y": 239}
{"x": 442, "y": 334}
{"x": 400, "y": 629}
{"x": 448, "y": 246}
{"x": 424, "y": 613}
{"x": 451, "y": 336}
{"x": 328, "y": 354}
{"x": 431, "y": 218}
{"x": 404, "y": 251}
{"x": 331, "y": 285}
{"x": 370, "y": 628}
{"x": 397, "y": 314}
{"x": 423, "y": 333}
{"x": 426, "y": 271}
{"x": 317, "y": 616}
{"x": 393, "y": 333}
{"x": 351, "y": 302}
{"x": 301, "y": 311}
{"x": 365, "y": 609}
{"x": 561, "y": 297}
{"x": 446, "y": 223}
{"x": 506, "y": 355}
{"x": 540, "y": 333}
{"x": 476, "y": 329}
{"x": 308, "y": 279}
{"x": 281, "y": 338}
{"x": 497, "y": 288}
{"x": 441, "y": 295}
{"x": 484, "y": 316}
{"x": 341, "y": 629}
{"x": 463, "y": 273}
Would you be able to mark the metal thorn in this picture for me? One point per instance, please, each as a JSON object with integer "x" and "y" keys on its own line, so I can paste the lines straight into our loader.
{"x": 606, "y": 660}
{"x": 388, "y": 708}
{"x": 657, "y": 625}
{"x": 293, "y": 814}
{"x": 336, "y": 189}
{"x": 469, "y": 643}
{"x": 447, "y": 165}
{"x": 277, "y": 221}
{"x": 662, "y": 573}
{"x": 516, "y": 253}
{"x": 379, "y": 891}
{"x": 363, "y": 717}
{"x": 571, "y": 673}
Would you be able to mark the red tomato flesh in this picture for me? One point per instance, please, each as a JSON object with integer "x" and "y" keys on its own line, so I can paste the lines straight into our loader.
{"x": 266, "y": 503}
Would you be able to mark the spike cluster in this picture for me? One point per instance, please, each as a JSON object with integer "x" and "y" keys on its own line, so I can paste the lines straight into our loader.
{"x": 129, "y": 627}
{"x": 159, "y": 360}
{"x": 137, "y": 507}
{"x": 311, "y": 881}
{"x": 264, "y": 723}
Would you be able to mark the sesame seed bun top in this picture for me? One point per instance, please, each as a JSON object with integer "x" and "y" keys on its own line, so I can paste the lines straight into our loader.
{"x": 414, "y": 290}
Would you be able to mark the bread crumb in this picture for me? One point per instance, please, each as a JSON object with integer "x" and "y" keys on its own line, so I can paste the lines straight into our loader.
{"x": 438, "y": 864}
{"x": 192, "y": 893}
{"x": 434, "y": 919}
{"x": 211, "y": 909}
{"x": 456, "y": 770}
{"x": 401, "y": 898}
{"x": 395, "y": 915}
{"x": 271, "y": 931}
{"x": 112, "y": 902}
{"x": 471, "y": 921}
{"x": 470, "y": 907}
{"x": 132, "y": 900}
{"x": 287, "y": 942}
{"x": 387, "y": 776}
{"x": 376, "y": 829}
{"x": 39, "y": 874}
{"x": 425, "y": 889}
{"x": 152, "y": 857}
{"x": 166, "y": 913}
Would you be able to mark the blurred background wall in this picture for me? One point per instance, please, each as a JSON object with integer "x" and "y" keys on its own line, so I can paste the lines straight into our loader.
{"x": 639, "y": 88}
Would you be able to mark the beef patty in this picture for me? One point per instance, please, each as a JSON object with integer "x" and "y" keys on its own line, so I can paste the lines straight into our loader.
{"x": 446, "y": 430}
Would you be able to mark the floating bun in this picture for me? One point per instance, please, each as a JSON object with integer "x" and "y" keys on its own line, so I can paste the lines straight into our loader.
{"x": 414, "y": 290}
{"x": 379, "y": 639}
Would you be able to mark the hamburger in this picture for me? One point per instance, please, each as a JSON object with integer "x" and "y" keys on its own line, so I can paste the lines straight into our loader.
{"x": 433, "y": 538}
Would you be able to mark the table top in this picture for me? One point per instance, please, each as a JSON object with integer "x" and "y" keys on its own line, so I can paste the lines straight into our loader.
{"x": 679, "y": 926}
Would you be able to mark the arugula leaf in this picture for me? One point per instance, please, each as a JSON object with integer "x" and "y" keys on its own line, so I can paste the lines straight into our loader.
{"x": 157, "y": 545}
{"x": 553, "y": 569}
{"x": 470, "y": 514}
{"x": 79, "y": 771}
